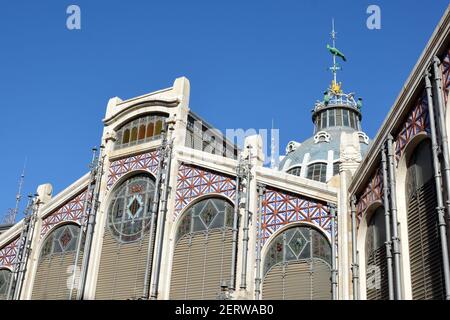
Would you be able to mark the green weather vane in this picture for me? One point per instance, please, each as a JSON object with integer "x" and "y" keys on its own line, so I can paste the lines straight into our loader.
{"x": 336, "y": 53}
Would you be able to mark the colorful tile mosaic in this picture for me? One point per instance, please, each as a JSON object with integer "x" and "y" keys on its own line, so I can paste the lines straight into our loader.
{"x": 417, "y": 121}
{"x": 373, "y": 192}
{"x": 193, "y": 182}
{"x": 8, "y": 254}
{"x": 280, "y": 208}
{"x": 145, "y": 161}
{"x": 445, "y": 67}
{"x": 72, "y": 211}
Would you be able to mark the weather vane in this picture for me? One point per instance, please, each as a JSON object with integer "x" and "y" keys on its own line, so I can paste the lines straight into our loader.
{"x": 335, "y": 87}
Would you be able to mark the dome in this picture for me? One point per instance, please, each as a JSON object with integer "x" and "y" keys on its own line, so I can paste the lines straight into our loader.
{"x": 319, "y": 148}
{"x": 318, "y": 157}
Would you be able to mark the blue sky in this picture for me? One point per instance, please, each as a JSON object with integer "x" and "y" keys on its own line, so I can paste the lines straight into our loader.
{"x": 247, "y": 61}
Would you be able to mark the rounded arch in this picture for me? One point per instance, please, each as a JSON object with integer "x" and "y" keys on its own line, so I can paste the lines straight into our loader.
{"x": 420, "y": 202}
{"x": 56, "y": 226}
{"x": 126, "y": 237}
{"x": 126, "y": 118}
{"x": 293, "y": 225}
{"x": 297, "y": 264}
{"x": 402, "y": 210}
{"x": 201, "y": 250}
{"x": 295, "y": 170}
{"x": 56, "y": 260}
{"x": 201, "y": 198}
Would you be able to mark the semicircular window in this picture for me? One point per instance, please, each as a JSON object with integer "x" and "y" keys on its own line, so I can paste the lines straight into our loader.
{"x": 64, "y": 239}
{"x": 208, "y": 214}
{"x": 5, "y": 277}
{"x": 143, "y": 129}
{"x": 129, "y": 210}
{"x": 297, "y": 265}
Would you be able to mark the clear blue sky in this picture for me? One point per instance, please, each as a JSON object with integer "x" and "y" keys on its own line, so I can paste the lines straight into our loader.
{"x": 247, "y": 61}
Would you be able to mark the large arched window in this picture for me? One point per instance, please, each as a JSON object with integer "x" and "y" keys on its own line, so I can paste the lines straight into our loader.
{"x": 140, "y": 130}
{"x": 424, "y": 244}
{"x": 5, "y": 278}
{"x": 317, "y": 172}
{"x": 297, "y": 266}
{"x": 376, "y": 264}
{"x": 203, "y": 248}
{"x": 129, "y": 211}
{"x": 125, "y": 242}
{"x": 55, "y": 265}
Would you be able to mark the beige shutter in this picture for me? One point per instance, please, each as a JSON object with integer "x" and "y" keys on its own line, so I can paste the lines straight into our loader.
{"x": 201, "y": 261}
{"x": 424, "y": 244}
{"x": 122, "y": 268}
{"x": 53, "y": 276}
{"x": 298, "y": 280}
{"x": 376, "y": 275}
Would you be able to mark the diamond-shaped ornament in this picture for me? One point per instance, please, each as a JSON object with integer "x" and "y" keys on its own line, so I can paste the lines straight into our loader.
{"x": 298, "y": 243}
{"x": 208, "y": 214}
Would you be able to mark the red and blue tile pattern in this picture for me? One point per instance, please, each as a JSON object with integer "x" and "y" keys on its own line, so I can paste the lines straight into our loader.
{"x": 145, "y": 161}
{"x": 280, "y": 208}
{"x": 193, "y": 182}
{"x": 8, "y": 254}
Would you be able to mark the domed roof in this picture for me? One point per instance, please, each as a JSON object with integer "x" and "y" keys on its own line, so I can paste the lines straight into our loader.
{"x": 319, "y": 146}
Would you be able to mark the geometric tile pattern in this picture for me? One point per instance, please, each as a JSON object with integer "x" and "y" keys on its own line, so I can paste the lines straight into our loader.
{"x": 417, "y": 121}
{"x": 193, "y": 182}
{"x": 373, "y": 192}
{"x": 8, "y": 253}
{"x": 445, "y": 68}
{"x": 280, "y": 208}
{"x": 146, "y": 161}
{"x": 72, "y": 211}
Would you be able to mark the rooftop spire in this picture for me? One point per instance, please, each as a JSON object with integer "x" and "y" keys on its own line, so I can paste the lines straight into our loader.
{"x": 335, "y": 87}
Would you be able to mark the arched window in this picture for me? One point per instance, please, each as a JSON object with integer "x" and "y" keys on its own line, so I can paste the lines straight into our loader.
{"x": 5, "y": 278}
{"x": 317, "y": 172}
{"x": 140, "y": 130}
{"x": 424, "y": 244}
{"x": 296, "y": 171}
{"x": 56, "y": 261}
{"x": 203, "y": 248}
{"x": 376, "y": 264}
{"x": 141, "y": 134}
{"x": 129, "y": 211}
{"x": 297, "y": 266}
{"x": 125, "y": 242}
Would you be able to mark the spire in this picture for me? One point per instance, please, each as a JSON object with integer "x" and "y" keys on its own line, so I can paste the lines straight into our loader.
{"x": 10, "y": 216}
{"x": 273, "y": 163}
{"x": 335, "y": 86}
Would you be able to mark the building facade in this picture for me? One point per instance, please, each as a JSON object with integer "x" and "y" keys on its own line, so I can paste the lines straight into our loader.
{"x": 172, "y": 209}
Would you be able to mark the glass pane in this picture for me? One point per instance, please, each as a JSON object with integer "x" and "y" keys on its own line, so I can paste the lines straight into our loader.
{"x": 346, "y": 122}
{"x": 150, "y": 130}
{"x": 141, "y": 134}
{"x": 133, "y": 134}
{"x": 352, "y": 120}
{"x": 158, "y": 127}
{"x": 339, "y": 117}
{"x": 126, "y": 136}
{"x": 324, "y": 119}
{"x": 331, "y": 117}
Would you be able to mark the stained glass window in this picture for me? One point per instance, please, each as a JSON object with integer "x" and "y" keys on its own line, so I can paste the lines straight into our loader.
{"x": 61, "y": 240}
{"x": 212, "y": 213}
{"x": 130, "y": 208}
{"x": 296, "y": 244}
{"x": 140, "y": 130}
